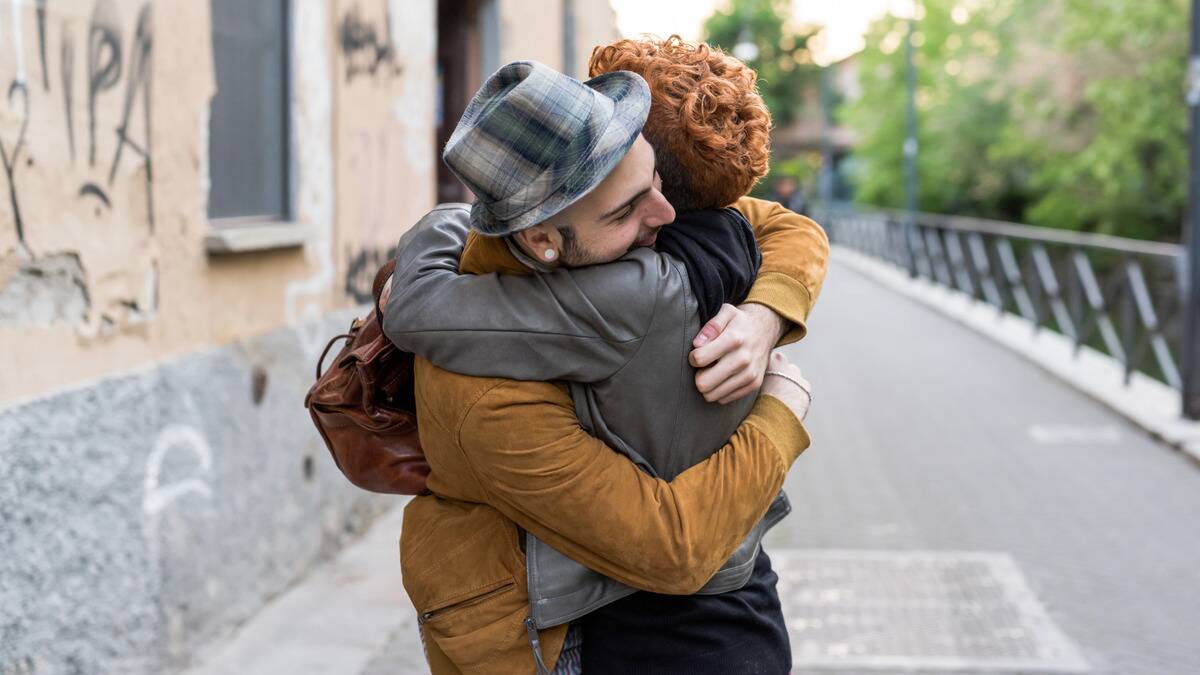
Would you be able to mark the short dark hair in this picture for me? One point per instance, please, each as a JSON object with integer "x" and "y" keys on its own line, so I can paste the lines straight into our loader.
{"x": 570, "y": 242}
{"x": 676, "y": 184}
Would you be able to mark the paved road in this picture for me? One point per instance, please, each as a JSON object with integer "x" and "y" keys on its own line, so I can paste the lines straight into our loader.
{"x": 929, "y": 437}
{"x": 960, "y": 511}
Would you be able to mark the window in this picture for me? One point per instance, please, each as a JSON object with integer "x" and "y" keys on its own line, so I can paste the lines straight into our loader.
{"x": 248, "y": 148}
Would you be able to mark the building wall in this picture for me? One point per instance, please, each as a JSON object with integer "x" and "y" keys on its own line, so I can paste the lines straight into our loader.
{"x": 595, "y": 24}
{"x": 533, "y": 29}
{"x": 159, "y": 477}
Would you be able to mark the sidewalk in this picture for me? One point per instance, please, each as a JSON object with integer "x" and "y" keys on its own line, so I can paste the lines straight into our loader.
{"x": 349, "y": 617}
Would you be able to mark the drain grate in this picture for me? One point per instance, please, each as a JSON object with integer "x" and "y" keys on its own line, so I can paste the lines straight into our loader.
{"x": 912, "y": 611}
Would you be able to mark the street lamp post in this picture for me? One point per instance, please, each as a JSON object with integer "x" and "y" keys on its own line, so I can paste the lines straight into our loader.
{"x": 911, "y": 148}
{"x": 568, "y": 8}
{"x": 1191, "y": 329}
{"x": 826, "y": 178}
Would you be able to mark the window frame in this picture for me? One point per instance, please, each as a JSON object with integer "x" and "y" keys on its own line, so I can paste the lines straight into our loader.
{"x": 236, "y": 234}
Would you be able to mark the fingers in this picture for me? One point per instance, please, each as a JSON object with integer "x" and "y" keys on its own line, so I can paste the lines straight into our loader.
{"x": 717, "y": 349}
{"x": 729, "y": 380}
{"x": 724, "y": 389}
{"x": 740, "y": 393}
{"x": 715, "y": 326}
{"x": 736, "y": 364}
{"x": 778, "y": 360}
{"x": 728, "y": 389}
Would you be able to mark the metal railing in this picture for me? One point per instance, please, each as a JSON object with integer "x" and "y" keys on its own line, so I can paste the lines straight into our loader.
{"x": 1124, "y": 297}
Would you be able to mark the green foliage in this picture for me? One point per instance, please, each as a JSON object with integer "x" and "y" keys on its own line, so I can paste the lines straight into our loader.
{"x": 1064, "y": 113}
{"x": 784, "y": 63}
{"x": 1110, "y": 156}
{"x": 960, "y": 111}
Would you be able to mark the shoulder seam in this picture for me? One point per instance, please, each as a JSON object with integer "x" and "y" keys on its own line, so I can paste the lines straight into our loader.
{"x": 458, "y": 433}
{"x": 649, "y": 324}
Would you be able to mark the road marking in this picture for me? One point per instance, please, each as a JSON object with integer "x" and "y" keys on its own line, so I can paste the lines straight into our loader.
{"x": 1074, "y": 434}
{"x": 917, "y": 610}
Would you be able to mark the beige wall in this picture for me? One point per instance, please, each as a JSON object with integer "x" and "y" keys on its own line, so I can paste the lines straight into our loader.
{"x": 82, "y": 199}
{"x": 532, "y": 29}
{"x": 595, "y": 24}
{"x": 384, "y": 140}
{"x": 110, "y": 271}
{"x": 362, "y": 159}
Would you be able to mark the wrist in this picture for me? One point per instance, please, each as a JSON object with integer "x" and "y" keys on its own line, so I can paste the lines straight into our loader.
{"x": 770, "y": 324}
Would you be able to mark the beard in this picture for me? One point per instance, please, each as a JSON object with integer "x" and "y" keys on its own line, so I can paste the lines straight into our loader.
{"x": 573, "y": 253}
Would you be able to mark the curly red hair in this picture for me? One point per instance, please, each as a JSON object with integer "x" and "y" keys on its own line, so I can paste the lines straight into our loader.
{"x": 709, "y": 127}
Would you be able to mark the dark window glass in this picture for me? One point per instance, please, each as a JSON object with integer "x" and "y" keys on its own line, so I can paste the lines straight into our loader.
{"x": 248, "y": 126}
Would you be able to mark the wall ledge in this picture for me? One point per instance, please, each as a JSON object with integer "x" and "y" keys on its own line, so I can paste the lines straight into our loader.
{"x": 249, "y": 238}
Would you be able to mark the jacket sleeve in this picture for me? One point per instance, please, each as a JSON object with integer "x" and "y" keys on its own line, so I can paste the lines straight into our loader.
{"x": 553, "y": 479}
{"x": 580, "y": 325}
{"x": 795, "y": 255}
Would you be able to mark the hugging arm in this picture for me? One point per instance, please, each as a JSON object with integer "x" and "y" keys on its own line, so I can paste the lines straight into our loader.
{"x": 580, "y": 325}
{"x": 731, "y": 350}
{"x": 517, "y": 325}
{"x": 666, "y": 537}
{"x": 795, "y": 256}
{"x": 584, "y": 324}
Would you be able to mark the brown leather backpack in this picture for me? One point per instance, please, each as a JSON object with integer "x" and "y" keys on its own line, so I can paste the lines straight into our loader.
{"x": 365, "y": 408}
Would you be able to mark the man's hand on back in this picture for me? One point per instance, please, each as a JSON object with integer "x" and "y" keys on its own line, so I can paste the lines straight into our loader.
{"x": 732, "y": 350}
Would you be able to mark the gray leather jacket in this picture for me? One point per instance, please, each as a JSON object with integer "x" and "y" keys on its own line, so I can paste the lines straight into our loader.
{"x": 619, "y": 333}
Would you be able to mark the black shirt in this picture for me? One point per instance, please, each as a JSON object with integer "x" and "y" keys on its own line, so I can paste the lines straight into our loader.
{"x": 738, "y": 632}
{"x": 734, "y": 633}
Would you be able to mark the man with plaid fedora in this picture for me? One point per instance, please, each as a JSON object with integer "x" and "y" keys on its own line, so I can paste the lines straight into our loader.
{"x": 564, "y": 180}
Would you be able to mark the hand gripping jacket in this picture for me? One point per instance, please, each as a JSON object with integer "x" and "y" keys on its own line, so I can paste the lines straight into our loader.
{"x": 365, "y": 409}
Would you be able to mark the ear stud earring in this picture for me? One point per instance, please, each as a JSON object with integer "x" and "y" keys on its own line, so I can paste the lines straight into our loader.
{"x": 550, "y": 254}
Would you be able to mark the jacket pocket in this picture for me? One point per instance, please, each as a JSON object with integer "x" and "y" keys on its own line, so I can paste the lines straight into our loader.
{"x": 446, "y": 612}
{"x": 474, "y": 632}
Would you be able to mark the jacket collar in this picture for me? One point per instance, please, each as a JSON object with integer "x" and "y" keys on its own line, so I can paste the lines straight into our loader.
{"x": 483, "y": 255}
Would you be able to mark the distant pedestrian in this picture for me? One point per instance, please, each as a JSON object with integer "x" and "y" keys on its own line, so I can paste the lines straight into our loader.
{"x": 787, "y": 192}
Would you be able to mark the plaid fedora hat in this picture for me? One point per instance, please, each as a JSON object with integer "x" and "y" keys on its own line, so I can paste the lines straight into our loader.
{"x": 533, "y": 141}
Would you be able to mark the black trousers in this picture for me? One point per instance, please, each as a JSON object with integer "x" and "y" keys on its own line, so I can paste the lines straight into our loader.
{"x": 742, "y": 632}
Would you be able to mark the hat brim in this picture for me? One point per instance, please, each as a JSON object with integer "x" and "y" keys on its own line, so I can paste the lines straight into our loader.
{"x": 631, "y": 106}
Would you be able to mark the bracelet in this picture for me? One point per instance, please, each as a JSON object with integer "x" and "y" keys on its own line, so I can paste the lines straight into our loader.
{"x": 794, "y": 381}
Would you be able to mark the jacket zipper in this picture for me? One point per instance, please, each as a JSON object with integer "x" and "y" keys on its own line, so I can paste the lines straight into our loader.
{"x": 470, "y": 602}
{"x": 536, "y": 643}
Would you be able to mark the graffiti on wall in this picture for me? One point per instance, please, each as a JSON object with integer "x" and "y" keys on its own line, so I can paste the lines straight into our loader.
{"x": 361, "y": 267}
{"x": 375, "y": 158}
{"x": 172, "y": 438}
{"x": 117, "y": 63}
{"x": 387, "y": 145}
{"x": 368, "y": 47}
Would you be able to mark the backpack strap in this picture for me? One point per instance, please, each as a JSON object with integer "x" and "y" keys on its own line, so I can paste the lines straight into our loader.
{"x": 381, "y": 278}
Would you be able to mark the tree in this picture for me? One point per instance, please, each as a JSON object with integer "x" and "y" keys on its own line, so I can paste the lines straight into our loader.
{"x": 1104, "y": 133}
{"x": 961, "y": 113}
{"x": 784, "y": 63}
{"x": 1062, "y": 113}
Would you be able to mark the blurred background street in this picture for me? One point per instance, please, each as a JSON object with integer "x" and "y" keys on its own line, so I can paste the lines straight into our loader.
{"x": 1005, "y": 472}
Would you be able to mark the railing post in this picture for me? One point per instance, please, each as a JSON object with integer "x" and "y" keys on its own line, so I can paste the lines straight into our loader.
{"x": 1191, "y": 329}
